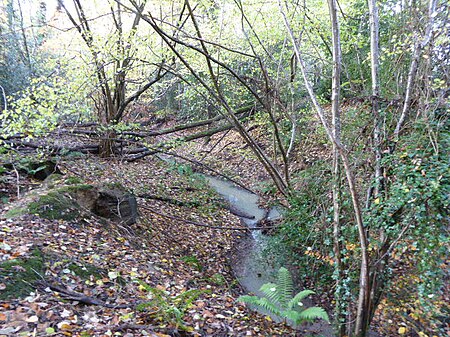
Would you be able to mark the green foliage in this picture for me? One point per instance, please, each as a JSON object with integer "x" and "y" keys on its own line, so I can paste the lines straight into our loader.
{"x": 15, "y": 212}
{"x": 21, "y": 57}
{"x": 418, "y": 199}
{"x": 36, "y": 110}
{"x": 73, "y": 180}
{"x": 19, "y": 274}
{"x": 278, "y": 300}
{"x": 305, "y": 228}
{"x": 192, "y": 261}
{"x": 169, "y": 309}
{"x": 217, "y": 279}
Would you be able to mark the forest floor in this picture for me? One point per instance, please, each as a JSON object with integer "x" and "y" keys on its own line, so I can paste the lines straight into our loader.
{"x": 161, "y": 276}
{"x": 168, "y": 274}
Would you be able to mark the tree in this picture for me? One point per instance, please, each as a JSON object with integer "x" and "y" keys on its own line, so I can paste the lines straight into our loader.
{"x": 113, "y": 97}
{"x": 372, "y": 270}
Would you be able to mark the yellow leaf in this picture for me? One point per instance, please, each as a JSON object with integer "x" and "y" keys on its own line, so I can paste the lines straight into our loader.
{"x": 402, "y": 330}
{"x": 376, "y": 201}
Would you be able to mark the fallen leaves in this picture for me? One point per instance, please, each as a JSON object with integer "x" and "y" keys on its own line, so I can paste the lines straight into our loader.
{"x": 106, "y": 261}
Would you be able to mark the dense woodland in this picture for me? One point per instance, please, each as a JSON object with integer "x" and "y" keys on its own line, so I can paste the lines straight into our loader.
{"x": 335, "y": 112}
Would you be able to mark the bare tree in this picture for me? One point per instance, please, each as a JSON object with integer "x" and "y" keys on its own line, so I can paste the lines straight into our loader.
{"x": 213, "y": 86}
{"x": 113, "y": 96}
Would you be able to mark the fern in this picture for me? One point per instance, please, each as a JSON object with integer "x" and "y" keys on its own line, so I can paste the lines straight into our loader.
{"x": 313, "y": 313}
{"x": 169, "y": 309}
{"x": 285, "y": 286}
{"x": 271, "y": 291}
{"x": 278, "y": 301}
{"x": 298, "y": 298}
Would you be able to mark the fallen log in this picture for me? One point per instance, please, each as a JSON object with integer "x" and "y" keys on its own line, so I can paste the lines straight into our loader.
{"x": 245, "y": 112}
{"x": 90, "y": 148}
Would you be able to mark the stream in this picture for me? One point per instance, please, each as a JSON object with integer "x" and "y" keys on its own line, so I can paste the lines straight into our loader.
{"x": 250, "y": 266}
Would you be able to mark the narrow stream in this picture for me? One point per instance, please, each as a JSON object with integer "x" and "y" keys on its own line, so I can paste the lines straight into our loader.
{"x": 250, "y": 266}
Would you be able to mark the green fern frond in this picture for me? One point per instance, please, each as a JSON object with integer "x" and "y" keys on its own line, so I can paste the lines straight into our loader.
{"x": 186, "y": 298}
{"x": 291, "y": 315}
{"x": 299, "y": 297}
{"x": 261, "y": 303}
{"x": 278, "y": 301}
{"x": 313, "y": 313}
{"x": 144, "y": 306}
{"x": 267, "y": 305}
{"x": 271, "y": 292}
{"x": 252, "y": 300}
{"x": 285, "y": 286}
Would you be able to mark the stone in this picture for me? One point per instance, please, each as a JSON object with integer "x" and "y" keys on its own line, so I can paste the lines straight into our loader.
{"x": 116, "y": 204}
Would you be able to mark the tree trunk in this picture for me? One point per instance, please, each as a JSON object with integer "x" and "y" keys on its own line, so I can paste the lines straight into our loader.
{"x": 364, "y": 278}
{"x": 336, "y": 126}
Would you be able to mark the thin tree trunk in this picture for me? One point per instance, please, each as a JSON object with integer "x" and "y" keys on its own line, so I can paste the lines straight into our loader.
{"x": 417, "y": 52}
{"x": 364, "y": 280}
{"x": 216, "y": 92}
{"x": 336, "y": 126}
{"x": 375, "y": 65}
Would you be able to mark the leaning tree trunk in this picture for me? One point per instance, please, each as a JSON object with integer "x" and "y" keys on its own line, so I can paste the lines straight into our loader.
{"x": 364, "y": 273}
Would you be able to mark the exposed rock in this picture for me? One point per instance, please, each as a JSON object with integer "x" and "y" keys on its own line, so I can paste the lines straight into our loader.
{"x": 116, "y": 204}
{"x": 67, "y": 199}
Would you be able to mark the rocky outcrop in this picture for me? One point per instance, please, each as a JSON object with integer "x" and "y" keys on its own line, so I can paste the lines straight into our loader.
{"x": 67, "y": 199}
{"x": 116, "y": 204}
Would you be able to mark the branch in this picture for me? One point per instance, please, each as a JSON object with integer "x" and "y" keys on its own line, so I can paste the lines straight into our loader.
{"x": 79, "y": 297}
{"x": 418, "y": 47}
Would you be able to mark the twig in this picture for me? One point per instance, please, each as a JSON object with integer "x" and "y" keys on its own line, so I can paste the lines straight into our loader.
{"x": 80, "y": 297}
{"x": 18, "y": 181}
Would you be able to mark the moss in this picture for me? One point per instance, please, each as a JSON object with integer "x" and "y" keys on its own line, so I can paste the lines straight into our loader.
{"x": 85, "y": 271}
{"x": 75, "y": 188}
{"x": 15, "y": 212}
{"x": 73, "y": 181}
{"x": 55, "y": 205}
{"x": 53, "y": 179}
{"x": 18, "y": 275}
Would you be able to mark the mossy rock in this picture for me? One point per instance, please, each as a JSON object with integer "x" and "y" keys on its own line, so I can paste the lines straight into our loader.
{"x": 18, "y": 275}
{"x": 73, "y": 181}
{"x": 53, "y": 180}
{"x": 55, "y": 205}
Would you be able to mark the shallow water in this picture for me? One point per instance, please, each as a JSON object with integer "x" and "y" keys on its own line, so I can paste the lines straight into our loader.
{"x": 250, "y": 266}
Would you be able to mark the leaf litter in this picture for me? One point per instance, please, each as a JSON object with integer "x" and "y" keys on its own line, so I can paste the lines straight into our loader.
{"x": 97, "y": 272}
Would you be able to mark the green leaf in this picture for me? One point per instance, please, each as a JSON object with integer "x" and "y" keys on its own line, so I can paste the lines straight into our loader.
{"x": 299, "y": 297}
{"x": 285, "y": 286}
{"x": 313, "y": 313}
